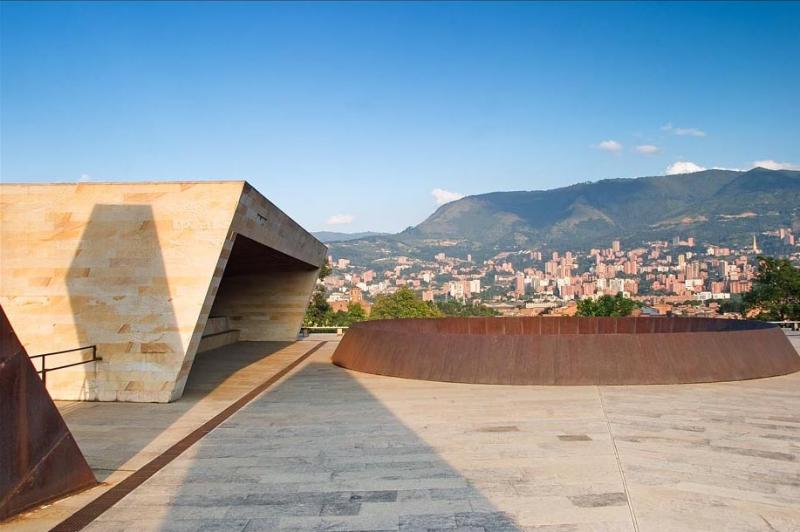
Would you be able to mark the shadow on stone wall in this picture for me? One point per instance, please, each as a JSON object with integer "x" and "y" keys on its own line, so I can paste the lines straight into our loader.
{"x": 121, "y": 301}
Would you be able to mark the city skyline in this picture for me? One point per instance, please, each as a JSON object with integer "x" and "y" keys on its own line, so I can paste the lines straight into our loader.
{"x": 386, "y": 111}
{"x": 681, "y": 276}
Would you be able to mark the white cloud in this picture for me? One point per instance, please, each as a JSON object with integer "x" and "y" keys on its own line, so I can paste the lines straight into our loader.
{"x": 647, "y": 149}
{"x": 84, "y": 178}
{"x": 692, "y": 132}
{"x": 683, "y": 167}
{"x": 340, "y": 219}
{"x": 769, "y": 164}
{"x": 684, "y": 131}
{"x": 445, "y": 196}
{"x": 611, "y": 146}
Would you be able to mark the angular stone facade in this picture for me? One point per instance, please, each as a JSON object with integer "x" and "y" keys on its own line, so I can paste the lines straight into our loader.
{"x": 135, "y": 268}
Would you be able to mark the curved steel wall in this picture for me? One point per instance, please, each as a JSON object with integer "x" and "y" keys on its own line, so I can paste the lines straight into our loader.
{"x": 568, "y": 350}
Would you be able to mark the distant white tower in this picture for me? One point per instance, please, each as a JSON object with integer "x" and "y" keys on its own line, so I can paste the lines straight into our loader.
{"x": 755, "y": 245}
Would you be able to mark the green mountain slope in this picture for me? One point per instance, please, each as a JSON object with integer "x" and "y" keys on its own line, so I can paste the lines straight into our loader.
{"x": 721, "y": 206}
{"x": 616, "y": 208}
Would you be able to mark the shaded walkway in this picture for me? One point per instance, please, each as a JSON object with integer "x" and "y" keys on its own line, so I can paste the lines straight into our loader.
{"x": 119, "y": 438}
{"x": 126, "y": 435}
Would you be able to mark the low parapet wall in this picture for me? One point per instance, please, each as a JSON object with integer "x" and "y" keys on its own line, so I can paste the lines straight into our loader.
{"x": 568, "y": 350}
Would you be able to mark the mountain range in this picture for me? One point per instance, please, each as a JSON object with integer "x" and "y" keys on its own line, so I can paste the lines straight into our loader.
{"x": 719, "y": 206}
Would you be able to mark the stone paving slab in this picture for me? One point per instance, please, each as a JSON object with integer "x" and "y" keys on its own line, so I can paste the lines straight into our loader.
{"x": 330, "y": 449}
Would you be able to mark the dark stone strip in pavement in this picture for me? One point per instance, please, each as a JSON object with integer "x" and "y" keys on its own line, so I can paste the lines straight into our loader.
{"x": 596, "y": 500}
{"x": 97, "y": 507}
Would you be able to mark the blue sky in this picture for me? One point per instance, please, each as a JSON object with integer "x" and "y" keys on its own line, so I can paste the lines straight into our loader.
{"x": 355, "y": 113}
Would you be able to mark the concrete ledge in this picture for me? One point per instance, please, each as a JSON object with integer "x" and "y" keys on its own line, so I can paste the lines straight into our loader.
{"x": 218, "y": 339}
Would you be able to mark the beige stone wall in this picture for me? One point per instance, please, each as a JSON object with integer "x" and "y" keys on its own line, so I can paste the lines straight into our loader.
{"x": 131, "y": 267}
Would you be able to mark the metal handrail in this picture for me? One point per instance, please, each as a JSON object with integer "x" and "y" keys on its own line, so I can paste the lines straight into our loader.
{"x": 308, "y": 328}
{"x": 45, "y": 369}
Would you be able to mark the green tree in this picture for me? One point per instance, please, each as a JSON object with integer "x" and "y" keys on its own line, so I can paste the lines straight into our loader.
{"x": 355, "y": 312}
{"x": 456, "y": 308}
{"x": 402, "y": 304}
{"x": 324, "y": 270}
{"x": 617, "y": 305}
{"x": 319, "y": 312}
{"x": 733, "y": 305}
{"x": 776, "y": 290}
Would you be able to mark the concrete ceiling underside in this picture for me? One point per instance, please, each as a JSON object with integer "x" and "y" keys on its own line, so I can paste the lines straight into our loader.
{"x": 249, "y": 257}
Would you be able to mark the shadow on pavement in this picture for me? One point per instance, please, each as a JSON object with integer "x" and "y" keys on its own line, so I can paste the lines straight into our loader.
{"x": 316, "y": 452}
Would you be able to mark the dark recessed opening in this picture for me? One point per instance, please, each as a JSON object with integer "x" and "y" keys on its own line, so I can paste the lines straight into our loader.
{"x": 249, "y": 257}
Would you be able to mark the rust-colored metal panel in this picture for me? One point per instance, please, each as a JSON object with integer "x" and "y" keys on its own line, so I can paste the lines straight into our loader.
{"x": 548, "y": 326}
{"x": 568, "y": 350}
{"x": 494, "y": 326}
{"x": 513, "y": 326}
{"x": 567, "y": 325}
{"x": 625, "y": 326}
{"x": 587, "y": 326}
{"x": 39, "y": 459}
{"x": 663, "y": 326}
{"x": 605, "y": 326}
{"x": 453, "y": 326}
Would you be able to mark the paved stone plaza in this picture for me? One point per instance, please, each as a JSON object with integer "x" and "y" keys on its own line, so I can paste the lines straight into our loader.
{"x": 330, "y": 449}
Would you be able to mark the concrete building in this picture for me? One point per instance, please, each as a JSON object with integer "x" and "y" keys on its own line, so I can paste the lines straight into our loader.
{"x": 150, "y": 273}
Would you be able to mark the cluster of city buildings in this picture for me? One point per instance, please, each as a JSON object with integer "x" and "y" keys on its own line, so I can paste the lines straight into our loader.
{"x": 680, "y": 276}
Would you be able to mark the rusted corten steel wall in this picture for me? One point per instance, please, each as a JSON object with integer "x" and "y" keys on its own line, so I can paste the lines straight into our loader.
{"x": 39, "y": 459}
{"x": 568, "y": 350}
